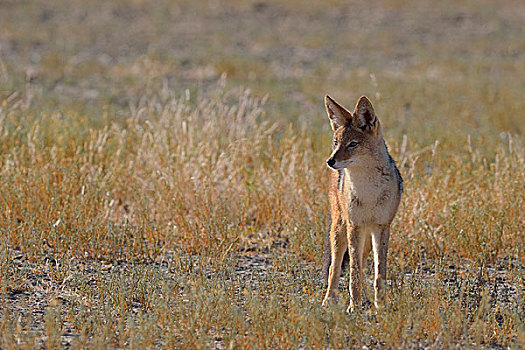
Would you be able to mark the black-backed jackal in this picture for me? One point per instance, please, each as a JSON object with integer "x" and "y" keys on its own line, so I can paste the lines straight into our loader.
{"x": 365, "y": 189}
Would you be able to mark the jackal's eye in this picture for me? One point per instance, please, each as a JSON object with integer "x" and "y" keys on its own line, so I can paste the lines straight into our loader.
{"x": 352, "y": 144}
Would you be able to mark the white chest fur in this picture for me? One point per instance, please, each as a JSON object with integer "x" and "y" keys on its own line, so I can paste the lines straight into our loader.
{"x": 370, "y": 195}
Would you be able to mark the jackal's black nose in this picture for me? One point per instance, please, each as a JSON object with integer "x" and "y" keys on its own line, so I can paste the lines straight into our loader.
{"x": 330, "y": 162}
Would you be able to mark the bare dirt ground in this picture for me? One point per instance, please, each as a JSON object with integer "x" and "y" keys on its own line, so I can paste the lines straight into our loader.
{"x": 41, "y": 297}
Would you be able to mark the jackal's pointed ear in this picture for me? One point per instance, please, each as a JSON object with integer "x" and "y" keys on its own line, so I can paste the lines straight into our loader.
{"x": 338, "y": 115}
{"x": 364, "y": 115}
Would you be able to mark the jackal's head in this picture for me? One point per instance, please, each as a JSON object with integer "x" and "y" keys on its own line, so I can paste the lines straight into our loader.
{"x": 357, "y": 136}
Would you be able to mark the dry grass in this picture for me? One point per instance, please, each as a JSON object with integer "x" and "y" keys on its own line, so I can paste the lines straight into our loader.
{"x": 148, "y": 201}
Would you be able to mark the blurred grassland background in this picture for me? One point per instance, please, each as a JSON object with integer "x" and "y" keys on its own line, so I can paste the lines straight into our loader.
{"x": 163, "y": 178}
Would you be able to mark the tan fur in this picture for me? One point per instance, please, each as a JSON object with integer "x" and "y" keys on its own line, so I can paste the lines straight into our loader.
{"x": 364, "y": 193}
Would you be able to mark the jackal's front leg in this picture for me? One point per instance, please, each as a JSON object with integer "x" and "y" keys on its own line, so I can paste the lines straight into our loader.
{"x": 380, "y": 238}
{"x": 338, "y": 246}
{"x": 356, "y": 244}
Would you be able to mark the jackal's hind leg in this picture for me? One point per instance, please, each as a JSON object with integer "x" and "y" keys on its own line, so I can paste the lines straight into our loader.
{"x": 380, "y": 238}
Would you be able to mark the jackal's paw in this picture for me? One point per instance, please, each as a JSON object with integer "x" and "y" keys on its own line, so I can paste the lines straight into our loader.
{"x": 380, "y": 306}
{"x": 329, "y": 300}
{"x": 362, "y": 305}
